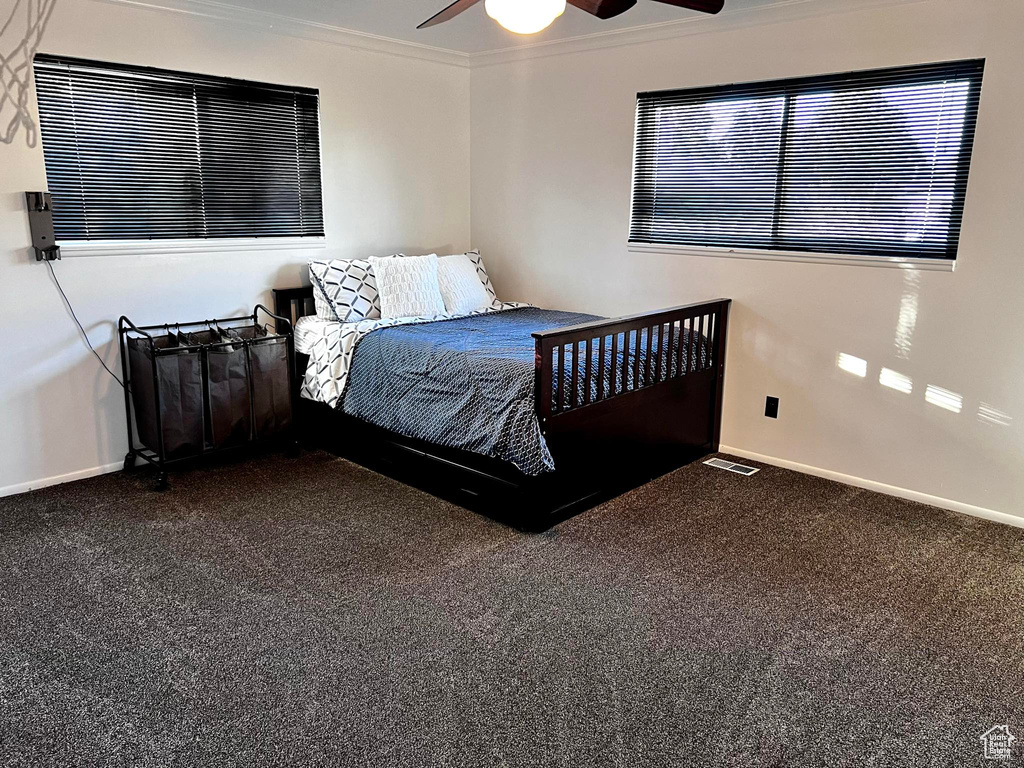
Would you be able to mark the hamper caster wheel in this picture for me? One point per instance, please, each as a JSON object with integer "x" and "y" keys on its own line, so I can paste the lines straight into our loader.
{"x": 161, "y": 482}
{"x": 129, "y": 462}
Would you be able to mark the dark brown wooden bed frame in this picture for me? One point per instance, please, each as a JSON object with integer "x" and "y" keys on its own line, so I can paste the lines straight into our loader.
{"x": 602, "y": 445}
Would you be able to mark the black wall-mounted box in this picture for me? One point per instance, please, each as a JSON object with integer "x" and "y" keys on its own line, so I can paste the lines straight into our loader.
{"x": 40, "y": 221}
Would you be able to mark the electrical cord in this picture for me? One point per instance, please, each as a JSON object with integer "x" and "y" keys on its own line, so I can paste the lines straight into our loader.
{"x": 85, "y": 336}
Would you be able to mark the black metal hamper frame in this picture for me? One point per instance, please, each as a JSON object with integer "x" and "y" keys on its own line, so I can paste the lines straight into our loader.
{"x": 160, "y": 458}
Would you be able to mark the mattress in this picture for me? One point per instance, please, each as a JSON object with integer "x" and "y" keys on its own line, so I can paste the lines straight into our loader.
{"x": 308, "y": 330}
{"x": 465, "y": 383}
{"x": 331, "y": 346}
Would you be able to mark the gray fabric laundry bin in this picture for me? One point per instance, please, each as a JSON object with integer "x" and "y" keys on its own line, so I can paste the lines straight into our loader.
{"x": 167, "y": 377}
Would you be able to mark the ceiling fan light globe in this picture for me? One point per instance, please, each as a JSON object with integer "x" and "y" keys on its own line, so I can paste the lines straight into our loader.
{"x": 524, "y": 17}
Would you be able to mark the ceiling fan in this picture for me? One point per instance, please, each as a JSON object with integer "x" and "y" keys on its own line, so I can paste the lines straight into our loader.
{"x": 528, "y": 16}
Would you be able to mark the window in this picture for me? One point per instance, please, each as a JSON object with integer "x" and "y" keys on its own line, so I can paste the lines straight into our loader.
{"x": 870, "y": 164}
{"x": 146, "y": 154}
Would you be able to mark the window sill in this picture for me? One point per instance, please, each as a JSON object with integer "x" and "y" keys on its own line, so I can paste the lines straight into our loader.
{"x": 147, "y": 247}
{"x": 898, "y": 262}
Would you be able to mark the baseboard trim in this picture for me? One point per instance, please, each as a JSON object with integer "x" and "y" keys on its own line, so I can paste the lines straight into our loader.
{"x": 81, "y": 474}
{"x": 872, "y": 485}
{"x": 858, "y": 482}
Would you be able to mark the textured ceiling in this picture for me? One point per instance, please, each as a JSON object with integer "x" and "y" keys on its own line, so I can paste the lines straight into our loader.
{"x": 471, "y": 32}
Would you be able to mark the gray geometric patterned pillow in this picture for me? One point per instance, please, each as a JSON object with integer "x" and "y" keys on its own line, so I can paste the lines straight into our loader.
{"x": 344, "y": 291}
{"x": 481, "y": 272}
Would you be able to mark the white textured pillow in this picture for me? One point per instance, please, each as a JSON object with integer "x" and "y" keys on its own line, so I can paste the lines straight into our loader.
{"x": 461, "y": 288}
{"x": 408, "y": 287}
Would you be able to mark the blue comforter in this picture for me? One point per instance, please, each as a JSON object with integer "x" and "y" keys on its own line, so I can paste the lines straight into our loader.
{"x": 467, "y": 383}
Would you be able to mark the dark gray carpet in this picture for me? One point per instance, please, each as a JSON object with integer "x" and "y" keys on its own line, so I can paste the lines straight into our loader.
{"x": 310, "y": 612}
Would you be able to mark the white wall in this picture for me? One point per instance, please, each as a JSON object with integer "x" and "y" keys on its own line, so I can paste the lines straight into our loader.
{"x": 552, "y": 141}
{"x": 395, "y": 134}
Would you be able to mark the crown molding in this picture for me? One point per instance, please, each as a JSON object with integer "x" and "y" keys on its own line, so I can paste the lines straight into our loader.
{"x": 776, "y": 12}
{"x": 300, "y": 28}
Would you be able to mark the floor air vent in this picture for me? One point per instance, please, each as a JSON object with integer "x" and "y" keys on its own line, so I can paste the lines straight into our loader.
{"x": 731, "y": 466}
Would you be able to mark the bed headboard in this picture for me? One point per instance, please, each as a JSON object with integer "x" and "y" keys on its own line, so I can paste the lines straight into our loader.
{"x": 294, "y": 303}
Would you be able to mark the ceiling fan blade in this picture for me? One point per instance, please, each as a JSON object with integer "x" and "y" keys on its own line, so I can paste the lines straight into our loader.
{"x": 450, "y": 12}
{"x": 604, "y": 9}
{"x": 704, "y": 6}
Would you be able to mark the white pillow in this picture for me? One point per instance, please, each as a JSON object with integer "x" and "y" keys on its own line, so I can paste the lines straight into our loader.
{"x": 481, "y": 272}
{"x": 408, "y": 287}
{"x": 461, "y": 288}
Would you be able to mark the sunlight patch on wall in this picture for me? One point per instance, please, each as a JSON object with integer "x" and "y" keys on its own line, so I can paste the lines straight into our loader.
{"x": 907, "y": 321}
{"x": 944, "y": 398}
{"x": 895, "y": 380}
{"x": 987, "y": 414}
{"x": 851, "y": 364}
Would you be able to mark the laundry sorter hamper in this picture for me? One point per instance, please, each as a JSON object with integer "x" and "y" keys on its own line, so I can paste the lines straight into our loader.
{"x": 193, "y": 389}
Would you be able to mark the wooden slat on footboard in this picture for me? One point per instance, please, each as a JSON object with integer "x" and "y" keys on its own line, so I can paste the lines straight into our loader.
{"x": 652, "y": 352}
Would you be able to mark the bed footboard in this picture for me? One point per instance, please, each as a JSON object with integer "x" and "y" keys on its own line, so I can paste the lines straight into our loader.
{"x": 652, "y": 380}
